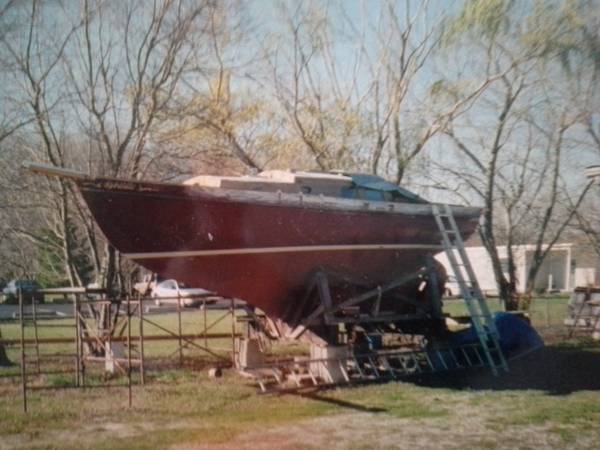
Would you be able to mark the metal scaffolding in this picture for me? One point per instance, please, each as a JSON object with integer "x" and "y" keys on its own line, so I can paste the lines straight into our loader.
{"x": 102, "y": 326}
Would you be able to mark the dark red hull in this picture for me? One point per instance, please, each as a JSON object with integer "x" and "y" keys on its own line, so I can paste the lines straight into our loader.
{"x": 262, "y": 252}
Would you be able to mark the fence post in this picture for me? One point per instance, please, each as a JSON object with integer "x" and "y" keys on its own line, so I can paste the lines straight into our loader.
{"x": 205, "y": 321}
{"x": 78, "y": 346}
{"x": 35, "y": 334}
{"x": 23, "y": 370}
{"x": 233, "y": 332}
{"x": 141, "y": 331}
{"x": 179, "y": 328}
{"x": 129, "y": 393}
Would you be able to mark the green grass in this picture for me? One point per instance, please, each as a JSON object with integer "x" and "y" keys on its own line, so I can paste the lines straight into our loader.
{"x": 576, "y": 409}
{"x": 212, "y": 410}
{"x": 184, "y": 406}
{"x": 191, "y": 323}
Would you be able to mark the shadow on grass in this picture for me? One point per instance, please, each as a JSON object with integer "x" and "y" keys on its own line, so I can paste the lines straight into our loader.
{"x": 342, "y": 403}
{"x": 555, "y": 370}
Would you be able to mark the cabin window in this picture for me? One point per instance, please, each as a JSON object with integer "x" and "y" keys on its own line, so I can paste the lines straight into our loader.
{"x": 349, "y": 192}
{"x": 389, "y": 196}
{"x": 371, "y": 195}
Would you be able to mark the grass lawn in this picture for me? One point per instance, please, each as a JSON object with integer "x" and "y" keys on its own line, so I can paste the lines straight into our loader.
{"x": 549, "y": 399}
{"x": 543, "y": 311}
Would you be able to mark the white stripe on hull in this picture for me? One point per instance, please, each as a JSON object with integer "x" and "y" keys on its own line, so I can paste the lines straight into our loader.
{"x": 267, "y": 250}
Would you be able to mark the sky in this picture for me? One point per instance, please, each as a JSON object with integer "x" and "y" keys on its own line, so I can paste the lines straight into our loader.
{"x": 267, "y": 18}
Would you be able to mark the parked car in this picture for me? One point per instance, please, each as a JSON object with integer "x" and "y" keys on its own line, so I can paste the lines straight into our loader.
{"x": 170, "y": 291}
{"x": 29, "y": 288}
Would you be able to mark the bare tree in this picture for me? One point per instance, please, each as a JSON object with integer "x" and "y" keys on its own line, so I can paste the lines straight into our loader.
{"x": 588, "y": 218}
{"x": 404, "y": 117}
{"x": 13, "y": 114}
{"x": 363, "y": 106}
{"x": 36, "y": 59}
{"x": 512, "y": 154}
{"x": 219, "y": 119}
{"x": 491, "y": 103}
{"x": 107, "y": 78}
{"x": 130, "y": 61}
{"x": 318, "y": 94}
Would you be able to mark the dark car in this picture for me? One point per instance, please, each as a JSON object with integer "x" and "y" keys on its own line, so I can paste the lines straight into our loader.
{"x": 29, "y": 288}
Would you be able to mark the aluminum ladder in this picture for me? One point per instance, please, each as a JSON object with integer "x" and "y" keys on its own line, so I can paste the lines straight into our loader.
{"x": 481, "y": 317}
{"x": 290, "y": 376}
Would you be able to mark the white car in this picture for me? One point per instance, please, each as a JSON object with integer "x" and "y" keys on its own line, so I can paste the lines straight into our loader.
{"x": 170, "y": 291}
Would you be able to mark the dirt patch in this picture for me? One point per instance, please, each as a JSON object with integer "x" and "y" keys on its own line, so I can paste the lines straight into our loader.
{"x": 373, "y": 430}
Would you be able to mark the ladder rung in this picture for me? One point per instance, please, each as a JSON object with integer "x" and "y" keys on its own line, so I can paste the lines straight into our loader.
{"x": 449, "y": 230}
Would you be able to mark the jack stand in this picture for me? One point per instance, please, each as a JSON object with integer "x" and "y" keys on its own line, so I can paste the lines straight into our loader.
{"x": 327, "y": 367}
{"x": 249, "y": 353}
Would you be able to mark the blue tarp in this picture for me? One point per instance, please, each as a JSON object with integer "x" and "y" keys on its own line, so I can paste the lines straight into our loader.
{"x": 516, "y": 335}
{"x": 376, "y": 183}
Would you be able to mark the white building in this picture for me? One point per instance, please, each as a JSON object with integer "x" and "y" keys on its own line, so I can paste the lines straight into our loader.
{"x": 593, "y": 173}
{"x": 565, "y": 267}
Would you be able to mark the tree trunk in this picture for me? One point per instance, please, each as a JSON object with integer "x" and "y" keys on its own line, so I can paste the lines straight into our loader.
{"x": 4, "y": 361}
{"x": 536, "y": 263}
{"x": 67, "y": 244}
{"x": 513, "y": 303}
{"x": 506, "y": 288}
{"x": 112, "y": 279}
